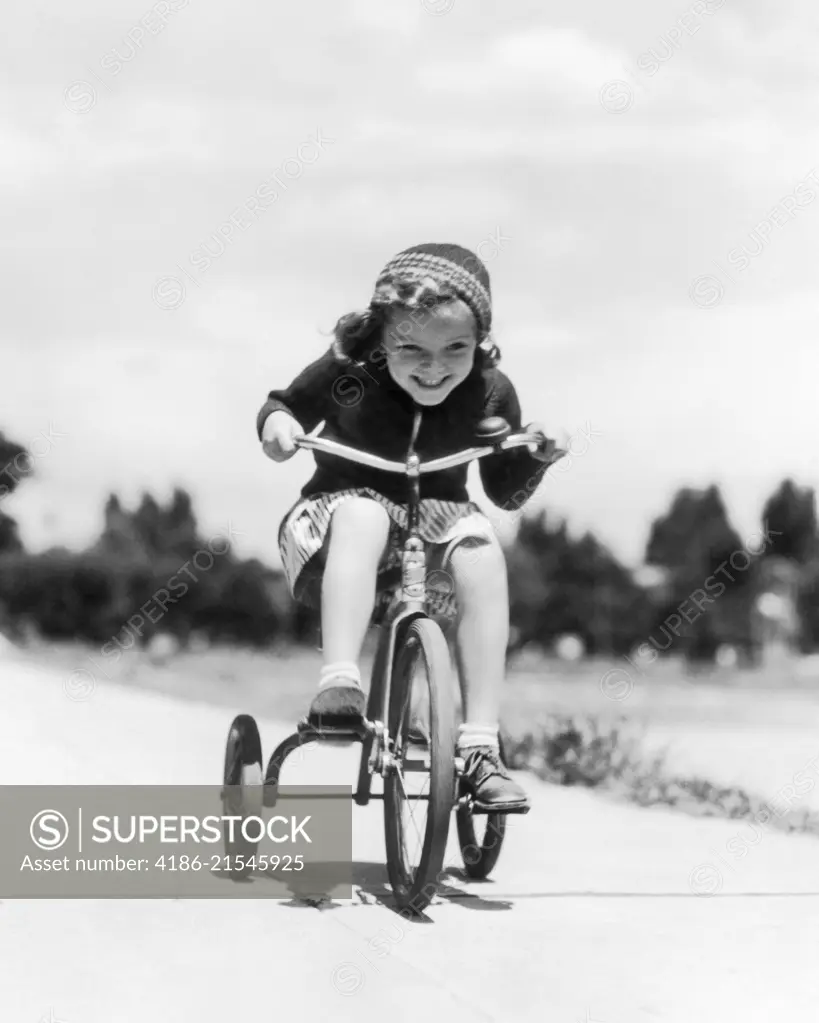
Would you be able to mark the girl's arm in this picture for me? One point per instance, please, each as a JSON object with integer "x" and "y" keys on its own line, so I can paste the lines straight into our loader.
{"x": 511, "y": 477}
{"x": 307, "y": 398}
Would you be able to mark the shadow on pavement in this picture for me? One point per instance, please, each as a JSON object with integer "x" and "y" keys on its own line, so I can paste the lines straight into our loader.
{"x": 372, "y": 881}
{"x": 371, "y": 886}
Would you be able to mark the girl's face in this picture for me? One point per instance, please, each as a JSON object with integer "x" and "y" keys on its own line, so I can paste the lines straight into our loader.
{"x": 432, "y": 351}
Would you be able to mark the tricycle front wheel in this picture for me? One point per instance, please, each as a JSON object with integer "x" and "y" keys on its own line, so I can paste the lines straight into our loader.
{"x": 420, "y": 783}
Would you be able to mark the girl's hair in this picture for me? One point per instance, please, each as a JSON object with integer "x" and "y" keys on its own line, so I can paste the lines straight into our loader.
{"x": 360, "y": 333}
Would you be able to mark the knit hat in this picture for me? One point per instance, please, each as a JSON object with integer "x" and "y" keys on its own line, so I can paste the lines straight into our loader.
{"x": 450, "y": 266}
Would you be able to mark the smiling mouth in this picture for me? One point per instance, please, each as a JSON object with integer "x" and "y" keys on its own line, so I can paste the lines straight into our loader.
{"x": 431, "y": 385}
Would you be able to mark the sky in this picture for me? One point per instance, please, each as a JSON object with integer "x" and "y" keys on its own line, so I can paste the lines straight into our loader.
{"x": 194, "y": 193}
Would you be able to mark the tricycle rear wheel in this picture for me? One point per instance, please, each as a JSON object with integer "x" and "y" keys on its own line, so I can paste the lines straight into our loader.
{"x": 480, "y": 848}
{"x": 242, "y": 793}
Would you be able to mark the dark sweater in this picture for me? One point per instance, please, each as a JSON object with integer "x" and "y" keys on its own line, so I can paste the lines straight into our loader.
{"x": 364, "y": 408}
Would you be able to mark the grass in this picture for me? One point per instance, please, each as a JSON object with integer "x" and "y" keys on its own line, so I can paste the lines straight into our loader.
{"x": 566, "y": 750}
{"x": 557, "y": 723}
{"x": 583, "y": 751}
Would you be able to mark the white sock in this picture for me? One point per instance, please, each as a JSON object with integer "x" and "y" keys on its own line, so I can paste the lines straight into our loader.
{"x": 340, "y": 673}
{"x": 478, "y": 735}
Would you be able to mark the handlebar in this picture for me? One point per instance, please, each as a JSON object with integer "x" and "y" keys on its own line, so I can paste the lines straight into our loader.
{"x": 331, "y": 447}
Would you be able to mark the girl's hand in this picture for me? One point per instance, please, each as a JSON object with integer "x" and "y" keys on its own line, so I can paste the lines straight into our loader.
{"x": 547, "y": 451}
{"x": 277, "y": 436}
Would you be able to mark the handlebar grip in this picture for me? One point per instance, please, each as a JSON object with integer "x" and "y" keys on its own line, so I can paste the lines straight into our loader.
{"x": 493, "y": 430}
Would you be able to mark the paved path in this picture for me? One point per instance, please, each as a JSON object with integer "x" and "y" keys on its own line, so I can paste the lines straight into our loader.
{"x": 591, "y": 914}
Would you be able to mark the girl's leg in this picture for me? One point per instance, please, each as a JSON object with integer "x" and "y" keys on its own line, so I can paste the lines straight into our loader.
{"x": 358, "y": 535}
{"x": 481, "y": 642}
{"x": 482, "y": 635}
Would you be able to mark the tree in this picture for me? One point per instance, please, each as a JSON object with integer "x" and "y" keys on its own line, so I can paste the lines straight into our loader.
{"x": 180, "y": 529}
{"x": 120, "y": 537}
{"x": 712, "y": 582}
{"x": 694, "y": 535}
{"x": 807, "y": 608}
{"x": 560, "y": 585}
{"x": 790, "y": 515}
{"x": 10, "y": 542}
{"x": 151, "y": 531}
{"x": 148, "y": 520}
{"x": 15, "y": 465}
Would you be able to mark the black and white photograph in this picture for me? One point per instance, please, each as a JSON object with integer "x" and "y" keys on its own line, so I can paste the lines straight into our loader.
{"x": 409, "y": 554}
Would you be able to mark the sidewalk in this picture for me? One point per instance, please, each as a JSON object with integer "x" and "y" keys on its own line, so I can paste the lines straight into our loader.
{"x": 593, "y": 907}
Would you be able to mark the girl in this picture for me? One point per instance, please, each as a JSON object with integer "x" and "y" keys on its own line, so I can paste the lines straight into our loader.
{"x": 423, "y": 345}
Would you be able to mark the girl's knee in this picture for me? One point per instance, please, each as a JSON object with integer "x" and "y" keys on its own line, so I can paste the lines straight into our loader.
{"x": 478, "y": 559}
{"x": 360, "y": 520}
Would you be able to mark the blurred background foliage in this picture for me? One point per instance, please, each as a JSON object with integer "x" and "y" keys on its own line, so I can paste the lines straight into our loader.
{"x": 701, "y": 589}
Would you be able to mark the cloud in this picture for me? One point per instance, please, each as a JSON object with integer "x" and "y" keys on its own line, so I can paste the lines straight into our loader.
{"x": 446, "y": 127}
{"x": 558, "y": 62}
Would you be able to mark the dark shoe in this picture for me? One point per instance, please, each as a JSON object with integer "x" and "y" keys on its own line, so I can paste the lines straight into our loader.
{"x": 338, "y": 706}
{"x": 489, "y": 783}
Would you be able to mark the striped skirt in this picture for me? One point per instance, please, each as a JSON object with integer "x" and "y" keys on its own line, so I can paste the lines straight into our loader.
{"x": 443, "y": 524}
